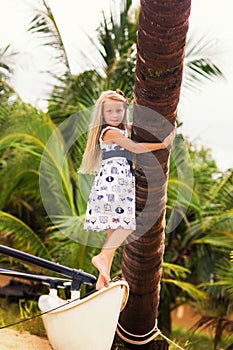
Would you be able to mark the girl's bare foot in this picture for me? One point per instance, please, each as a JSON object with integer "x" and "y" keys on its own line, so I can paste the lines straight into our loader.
{"x": 101, "y": 263}
{"x": 101, "y": 282}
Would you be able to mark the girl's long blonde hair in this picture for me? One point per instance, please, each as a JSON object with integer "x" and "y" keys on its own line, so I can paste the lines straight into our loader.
{"x": 93, "y": 154}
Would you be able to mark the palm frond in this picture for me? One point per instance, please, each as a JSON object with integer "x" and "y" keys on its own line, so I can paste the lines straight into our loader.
{"x": 214, "y": 322}
{"x": 182, "y": 197}
{"x": 218, "y": 239}
{"x": 74, "y": 95}
{"x": 71, "y": 227}
{"x": 44, "y": 25}
{"x": 35, "y": 135}
{"x": 116, "y": 36}
{"x": 224, "y": 278}
{"x": 198, "y": 62}
{"x": 21, "y": 236}
{"x": 179, "y": 272}
{"x": 70, "y": 252}
{"x": 222, "y": 192}
{"x": 189, "y": 288}
{"x": 7, "y": 61}
{"x": 9, "y": 89}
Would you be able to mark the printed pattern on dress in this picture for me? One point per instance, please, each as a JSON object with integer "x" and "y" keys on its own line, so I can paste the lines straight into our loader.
{"x": 111, "y": 203}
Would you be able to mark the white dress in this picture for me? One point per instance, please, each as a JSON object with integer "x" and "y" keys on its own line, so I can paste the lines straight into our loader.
{"x": 111, "y": 203}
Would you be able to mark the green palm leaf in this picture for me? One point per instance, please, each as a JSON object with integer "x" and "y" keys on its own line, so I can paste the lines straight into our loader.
{"x": 221, "y": 194}
{"x": 22, "y": 237}
{"x": 189, "y": 288}
{"x": 36, "y": 137}
{"x": 224, "y": 275}
{"x": 44, "y": 25}
{"x": 7, "y": 58}
{"x": 198, "y": 63}
{"x": 178, "y": 271}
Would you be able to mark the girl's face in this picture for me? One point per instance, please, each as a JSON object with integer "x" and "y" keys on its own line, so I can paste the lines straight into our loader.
{"x": 113, "y": 112}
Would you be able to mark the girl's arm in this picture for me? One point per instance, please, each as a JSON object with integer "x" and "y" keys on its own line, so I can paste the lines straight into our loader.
{"x": 114, "y": 136}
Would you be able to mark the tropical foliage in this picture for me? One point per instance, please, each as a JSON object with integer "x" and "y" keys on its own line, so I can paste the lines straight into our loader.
{"x": 39, "y": 162}
{"x": 201, "y": 241}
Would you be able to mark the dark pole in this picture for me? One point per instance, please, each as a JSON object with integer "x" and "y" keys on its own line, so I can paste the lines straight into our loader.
{"x": 79, "y": 277}
{"x": 53, "y": 282}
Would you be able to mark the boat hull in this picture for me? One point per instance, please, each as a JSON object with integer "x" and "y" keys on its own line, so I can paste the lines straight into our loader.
{"x": 86, "y": 324}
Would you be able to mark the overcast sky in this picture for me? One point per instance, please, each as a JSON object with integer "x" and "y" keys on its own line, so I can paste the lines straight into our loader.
{"x": 206, "y": 114}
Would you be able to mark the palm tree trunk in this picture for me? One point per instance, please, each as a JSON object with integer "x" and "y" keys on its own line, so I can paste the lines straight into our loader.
{"x": 162, "y": 33}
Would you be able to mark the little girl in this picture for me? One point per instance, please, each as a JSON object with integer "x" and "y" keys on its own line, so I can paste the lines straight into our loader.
{"x": 111, "y": 204}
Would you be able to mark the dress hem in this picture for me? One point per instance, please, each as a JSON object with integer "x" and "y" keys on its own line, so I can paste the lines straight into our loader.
{"x": 110, "y": 228}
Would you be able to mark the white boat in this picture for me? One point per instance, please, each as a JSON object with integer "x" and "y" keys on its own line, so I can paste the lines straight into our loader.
{"x": 87, "y": 323}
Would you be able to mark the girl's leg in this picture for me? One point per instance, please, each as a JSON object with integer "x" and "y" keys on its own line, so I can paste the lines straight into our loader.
{"x": 103, "y": 261}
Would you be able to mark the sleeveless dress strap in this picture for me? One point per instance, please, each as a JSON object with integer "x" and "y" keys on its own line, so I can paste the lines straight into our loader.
{"x": 104, "y": 130}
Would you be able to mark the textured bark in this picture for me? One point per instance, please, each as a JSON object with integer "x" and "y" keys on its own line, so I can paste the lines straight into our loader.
{"x": 162, "y": 33}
